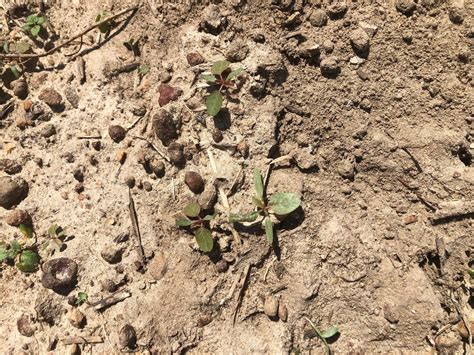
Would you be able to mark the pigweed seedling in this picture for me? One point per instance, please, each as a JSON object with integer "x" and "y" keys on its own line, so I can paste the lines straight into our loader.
{"x": 221, "y": 78}
{"x": 106, "y": 26}
{"x": 192, "y": 219}
{"x": 143, "y": 70}
{"x": 81, "y": 298}
{"x": 25, "y": 260}
{"x": 56, "y": 236}
{"x": 280, "y": 204}
{"x": 324, "y": 335}
{"x": 34, "y": 24}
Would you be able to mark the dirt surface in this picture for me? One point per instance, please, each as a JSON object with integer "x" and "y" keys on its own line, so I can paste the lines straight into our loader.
{"x": 369, "y": 104}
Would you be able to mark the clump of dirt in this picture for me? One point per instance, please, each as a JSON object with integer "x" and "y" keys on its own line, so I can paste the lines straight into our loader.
{"x": 365, "y": 111}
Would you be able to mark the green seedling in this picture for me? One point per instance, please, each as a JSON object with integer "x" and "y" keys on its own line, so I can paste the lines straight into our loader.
{"x": 25, "y": 260}
{"x": 34, "y": 24}
{"x": 192, "y": 219}
{"x": 82, "y": 298}
{"x": 56, "y": 236}
{"x": 324, "y": 335}
{"x": 280, "y": 204}
{"x": 106, "y": 26}
{"x": 143, "y": 70}
{"x": 221, "y": 78}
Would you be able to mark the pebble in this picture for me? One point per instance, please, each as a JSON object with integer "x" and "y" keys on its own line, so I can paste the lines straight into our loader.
{"x": 112, "y": 253}
{"x": 168, "y": 93}
{"x": 52, "y": 98}
{"x": 117, "y": 133}
{"x": 362, "y": 73}
{"x": 194, "y": 181}
{"x": 328, "y": 46}
{"x": 158, "y": 266}
{"x": 109, "y": 285}
{"x": 20, "y": 88}
{"x": 195, "y": 58}
{"x": 217, "y": 135}
{"x": 360, "y": 42}
{"x": 77, "y": 318}
{"x": 243, "y": 148}
{"x": 222, "y": 266}
{"x": 127, "y": 337}
{"x": 24, "y": 326}
{"x": 337, "y": 10}
{"x": 10, "y": 167}
{"x": 164, "y": 127}
{"x": 157, "y": 167}
{"x": 390, "y": 314}
{"x": 79, "y": 173}
{"x": 176, "y": 153}
{"x": 237, "y": 51}
{"x": 204, "y": 320}
{"x": 282, "y": 312}
{"x": 318, "y": 18}
{"x": 96, "y": 145}
{"x": 329, "y": 66}
{"x": 130, "y": 181}
{"x": 370, "y": 29}
{"x": 406, "y": 7}
{"x": 213, "y": 21}
{"x": 59, "y": 274}
{"x": 72, "y": 96}
{"x": 456, "y": 14}
{"x": 17, "y": 217}
{"x": 12, "y": 191}
{"x": 147, "y": 186}
{"x": 48, "y": 130}
{"x": 270, "y": 307}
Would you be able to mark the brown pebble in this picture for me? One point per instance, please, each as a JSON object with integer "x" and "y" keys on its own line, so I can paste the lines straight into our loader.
{"x": 243, "y": 148}
{"x": 222, "y": 266}
{"x": 157, "y": 167}
{"x": 282, "y": 312}
{"x": 130, "y": 181}
{"x": 27, "y": 104}
{"x": 147, "y": 186}
{"x": 158, "y": 266}
{"x": 52, "y": 98}
{"x": 168, "y": 93}
{"x": 194, "y": 58}
{"x": 96, "y": 145}
{"x": 204, "y": 320}
{"x": 17, "y": 217}
{"x": 176, "y": 153}
{"x": 217, "y": 135}
{"x": 409, "y": 219}
{"x": 79, "y": 187}
{"x": 117, "y": 133}
{"x": 20, "y": 88}
{"x": 109, "y": 286}
{"x": 24, "y": 326}
{"x": 164, "y": 127}
{"x": 9, "y": 166}
{"x": 77, "y": 318}
{"x": 121, "y": 156}
{"x": 270, "y": 307}
{"x": 127, "y": 337}
{"x": 463, "y": 330}
{"x": 194, "y": 181}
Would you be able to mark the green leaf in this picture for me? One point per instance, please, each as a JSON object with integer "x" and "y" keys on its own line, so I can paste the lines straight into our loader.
{"x": 15, "y": 249}
{"x": 35, "y": 30}
{"x": 269, "y": 230}
{"x": 214, "y": 103}
{"x": 26, "y": 27}
{"x": 192, "y": 210}
{"x": 53, "y": 229}
{"x": 20, "y": 47}
{"x": 284, "y": 203}
{"x": 330, "y": 332}
{"x": 245, "y": 217}
{"x": 257, "y": 202}
{"x": 183, "y": 222}
{"x": 234, "y": 74}
{"x": 97, "y": 18}
{"x": 204, "y": 239}
{"x": 31, "y": 19}
{"x": 28, "y": 261}
{"x": 4, "y": 254}
{"x": 208, "y": 77}
{"x": 143, "y": 70}
{"x": 16, "y": 72}
{"x": 104, "y": 27}
{"x": 82, "y": 298}
{"x": 258, "y": 182}
{"x": 218, "y": 67}
{"x": 209, "y": 217}
{"x": 5, "y": 47}
{"x": 27, "y": 231}
{"x": 471, "y": 273}
{"x": 40, "y": 20}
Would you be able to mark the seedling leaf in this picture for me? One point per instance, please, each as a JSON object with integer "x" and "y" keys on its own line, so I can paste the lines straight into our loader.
{"x": 183, "y": 222}
{"x": 209, "y": 217}
{"x": 5, "y": 47}
{"x": 330, "y": 332}
{"x": 258, "y": 182}
{"x": 204, "y": 239}
{"x": 15, "y": 71}
{"x": 269, "y": 230}
{"x": 245, "y": 217}
{"x": 284, "y": 203}
{"x": 81, "y": 298}
{"x": 192, "y": 210}
{"x": 28, "y": 261}
{"x": 35, "y": 30}
{"x": 214, "y": 103}
{"x": 14, "y": 250}
{"x": 208, "y": 77}
{"x": 257, "y": 202}
{"x": 471, "y": 273}
{"x": 143, "y": 70}
{"x": 40, "y": 20}
{"x": 234, "y": 74}
{"x": 19, "y": 47}
{"x": 218, "y": 67}
{"x": 27, "y": 231}
{"x": 4, "y": 254}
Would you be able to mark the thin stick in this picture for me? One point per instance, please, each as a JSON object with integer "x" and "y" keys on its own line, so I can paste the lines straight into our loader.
{"x": 111, "y": 300}
{"x": 85, "y": 339}
{"x": 89, "y": 137}
{"x": 241, "y": 292}
{"x": 135, "y": 123}
{"x": 136, "y": 229}
{"x": 232, "y": 289}
{"x": 88, "y": 29}
{"x": 268, "y": 269}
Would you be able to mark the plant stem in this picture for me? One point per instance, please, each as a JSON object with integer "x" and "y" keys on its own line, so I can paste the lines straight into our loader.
{"x": 326, "y": 345}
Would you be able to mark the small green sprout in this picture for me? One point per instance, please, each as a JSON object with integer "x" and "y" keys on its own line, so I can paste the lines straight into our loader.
{"x": 82, "y": 298}
{"x": 26, "y": 230}
{"x": 56, "y": 235}
{"x": 191, "y": 218}
{"x": 279, "y": 204}
{"x": 143, "y": 70}
{"x": 26, "y": 260}
{"x": 34, "y": 24}
{"x": 221, "y": 77}
{"x": 106, "y": 26}
{"x": 324, "y": 335}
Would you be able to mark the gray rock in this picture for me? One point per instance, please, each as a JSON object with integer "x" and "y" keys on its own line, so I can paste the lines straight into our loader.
{"x": 48, "y": 130}
{"x": 406, "y": 7}
{"x": 12, "y": 191}
{"x": 329, "y": 66}
{"x": 127, "y": 337}
{"x": 360, "y": 42}
{"x": 318, "y": 18}
{"x": 112, "y": 254}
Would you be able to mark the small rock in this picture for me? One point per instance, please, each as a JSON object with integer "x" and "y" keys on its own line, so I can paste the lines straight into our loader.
{"x": 407, "y": 37}
{"x": 48, "y": 130}
{"x": 328, "y": 46}
{"x": 194, "y": 181}
{"x": 360, "y": 42}
{"x": 456, "y": 14}
{"x": 329, "y": 66}
{"x": 158, "y": 266}
{"x": 390, "y": 314}
{"x": 195, "y": 58}
{"x": 270, "y": 307}
{"x": 22, "y": 123}
{"x": 139, "y": 111}
{"x": 318, "y": 18}
{"x": 176, "y": 153}
{"x": 72, "y": 96}
{"x": 147, "y": 186}
{"x": 127, "y": 337}
{"x": 237, "y": 51}
{"x": 168, "y": 93}
{"x": 79, "y": 173}
{"x": 24, "y": 326}
{"x": 213, "y": 22}
{"x": 243, "y": 148}
{"x": 204, "y": 320}
{"x": 77, "y": 318}
{"x": 20, "y": 89}
{"x": 130, "y": 181}
{"x": 121, "y": 156}
{"x": 164, "y": 127}
{"x": 157, "y": 167}
{"x": 346, "y": 170}
{"x": 96, "y": 145}
{"x": 79, "y": 187}
{"x": 208, "y": 198}
{"x": 217, "y": 135}
{"x": 59, "y": 274}
{"x": 337, "y": 10}
{"x": 73, "y": 349}
{"x": 12, "y": 191}
{"x": 409, "y": 219}
{"x": 9, "y": 166}
{"x": 112, "y": 254}
{"x": 222, "y": 266}
{"x": 282, "y": 312}
{"x": 17, "y": 217}
{"x": 52, "y": 98}
{"x": 406, "y": 7}
{"x": 109, "y": 286}
{"x": 365, "y": 104}
{"x": 371, "y": 30}
{"x": 117, "y": 133}
{"x": 362, "y": 73}
{"x": 463, "y": 330}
